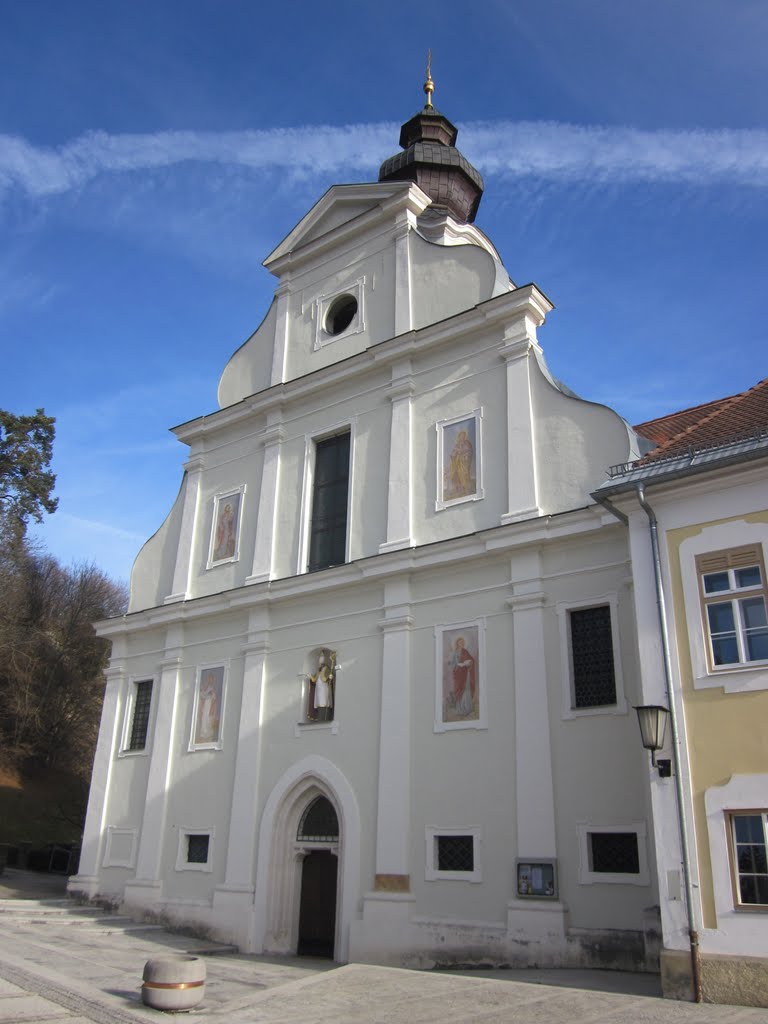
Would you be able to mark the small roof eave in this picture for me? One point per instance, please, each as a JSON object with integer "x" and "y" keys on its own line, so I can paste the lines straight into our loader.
{"x": 625, "y": 478}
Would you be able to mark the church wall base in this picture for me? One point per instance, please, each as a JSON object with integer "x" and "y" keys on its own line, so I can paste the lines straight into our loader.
{"x": 733, "y": 980}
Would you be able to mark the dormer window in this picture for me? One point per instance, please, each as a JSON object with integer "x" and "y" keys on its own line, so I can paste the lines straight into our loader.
{"x": 339, "y": 314}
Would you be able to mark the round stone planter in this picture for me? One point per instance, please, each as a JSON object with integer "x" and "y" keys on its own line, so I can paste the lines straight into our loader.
{"x": 173, "y": 983}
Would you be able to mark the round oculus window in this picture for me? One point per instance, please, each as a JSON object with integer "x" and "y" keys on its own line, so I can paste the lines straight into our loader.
{"x": 340, "y": 315}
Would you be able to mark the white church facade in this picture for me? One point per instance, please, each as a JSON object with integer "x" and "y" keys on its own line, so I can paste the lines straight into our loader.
{"x": 373, "y": 694}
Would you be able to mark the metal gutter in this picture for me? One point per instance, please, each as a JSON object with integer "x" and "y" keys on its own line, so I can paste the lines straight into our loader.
{"x": 693, "y": 934}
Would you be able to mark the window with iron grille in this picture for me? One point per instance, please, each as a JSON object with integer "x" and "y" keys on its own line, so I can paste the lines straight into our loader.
{"x": 614, "y": 853}
{"x": 733, "y": 597}
{"x": 455, "y": 853}
{"x": 197, "y": 848}
{"x": 328, "y": 531}
{"x": 142, "y": 701}
{"x": 592, "y": 665}
{"x": 749, "y": 833}
{"x": 319, "y": 823}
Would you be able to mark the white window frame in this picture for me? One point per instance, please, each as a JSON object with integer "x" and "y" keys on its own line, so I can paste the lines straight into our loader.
{"x": 566, "y": 654}
{"x": 733, "y": 596}
{"x": 324, "y": 302}
{"x": 478, "y": 495}
{"x": 743, "y": 678}
{"x": 305, "y": 525}
{"x": 130, "y": 704}
{"x": 182, "y": 864}
{"x": 761, "y": 813}
{"x": 217, "y": 500}
{"x": 111, "y": 858}
{"x": 589, "y": 877}
{"x": 431, "y": 871}
{"x": 740, "y": 926}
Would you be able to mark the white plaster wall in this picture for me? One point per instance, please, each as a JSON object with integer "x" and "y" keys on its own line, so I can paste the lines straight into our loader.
{"x": 599, "y": 766}
{"x": 451, "y": 382}
{"x": 576, "y": 442}
{"x": 464, "y": 777}
{"x": 371, "y": 258}
{"x": 448, "y": 279}
{"x": 152, "y": 572}
{"x": 249, "y": 369}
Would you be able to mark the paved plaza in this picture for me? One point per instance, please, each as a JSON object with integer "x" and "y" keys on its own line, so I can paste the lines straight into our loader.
{"x": 65, "y": 964}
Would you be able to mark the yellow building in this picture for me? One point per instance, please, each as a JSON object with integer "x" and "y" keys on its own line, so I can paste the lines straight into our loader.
{"x": 697, "y": 509}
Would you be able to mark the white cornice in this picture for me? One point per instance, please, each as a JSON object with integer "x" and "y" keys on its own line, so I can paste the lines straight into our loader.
{"x": 522, "y": 302}
{"x": 390, "y": 199}
{"x": 382, "y": 567}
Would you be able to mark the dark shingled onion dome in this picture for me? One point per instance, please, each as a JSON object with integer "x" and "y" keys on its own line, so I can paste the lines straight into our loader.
{"x": 431, "y": 159}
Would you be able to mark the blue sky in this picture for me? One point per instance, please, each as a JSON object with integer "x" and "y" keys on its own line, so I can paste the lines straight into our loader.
{"x": 152, "y": 153}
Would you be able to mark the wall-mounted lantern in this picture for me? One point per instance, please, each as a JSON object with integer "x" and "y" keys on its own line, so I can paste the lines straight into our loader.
{"x": 652, "y": 719}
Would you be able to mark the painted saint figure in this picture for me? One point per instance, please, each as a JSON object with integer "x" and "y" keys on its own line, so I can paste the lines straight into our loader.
{"x": 208, "y": 711}
{"x": 463, "y": 677}
{"x": 321, "y": 688}
{"x": 225, "y": 534}
{"x": 459, "y": 482}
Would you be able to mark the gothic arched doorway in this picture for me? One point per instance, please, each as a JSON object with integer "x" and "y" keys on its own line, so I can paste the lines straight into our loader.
{"x": 318, "y": 837}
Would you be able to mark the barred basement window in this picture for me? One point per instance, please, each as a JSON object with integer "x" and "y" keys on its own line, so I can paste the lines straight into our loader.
{"x": 319, "y": 823}
{"x": 593, "y": 673}
{"x": 455, "y": 853}
{"x": 197, "y": 848}
{"x": 142, "y": 701}
{"x": 614, "y": 853}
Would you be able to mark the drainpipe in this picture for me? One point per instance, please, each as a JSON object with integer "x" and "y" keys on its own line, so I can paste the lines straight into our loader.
{"x": 693, "y": 934}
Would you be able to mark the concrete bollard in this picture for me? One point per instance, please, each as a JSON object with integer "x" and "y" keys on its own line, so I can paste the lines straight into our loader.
{"x": 173, "y": 983}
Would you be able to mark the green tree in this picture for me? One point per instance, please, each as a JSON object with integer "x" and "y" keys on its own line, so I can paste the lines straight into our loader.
{"x": 26, "y": 482}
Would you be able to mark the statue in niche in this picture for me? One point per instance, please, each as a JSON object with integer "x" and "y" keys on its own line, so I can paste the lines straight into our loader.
{"x": 322, "y": 688}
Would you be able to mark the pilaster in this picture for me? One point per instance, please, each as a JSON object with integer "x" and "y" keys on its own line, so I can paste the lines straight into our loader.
{"x": 522, "y": 483}
{"x": 241, "y": 853}
{"x": 87, "y": 880}
{"x": 394, "y": 798}
{"x": 534, "y": 789}
{"x": 193, "y": 468}
{"x": 153, "y": 825}
{"x": 264, "y": 553}
{"x": 399, "y": 511}
{"x": 385, "y": 924}
{"x": 403, "y": 294}
{"x": 280, "y": 350}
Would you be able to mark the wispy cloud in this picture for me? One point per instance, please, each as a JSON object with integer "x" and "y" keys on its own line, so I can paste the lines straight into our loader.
{"x": 547, "y": 150}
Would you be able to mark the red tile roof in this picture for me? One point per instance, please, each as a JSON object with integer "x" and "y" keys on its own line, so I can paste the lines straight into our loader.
{"x": 705, "y": 426}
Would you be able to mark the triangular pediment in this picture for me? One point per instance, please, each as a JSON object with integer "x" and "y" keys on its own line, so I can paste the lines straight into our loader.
{"x": 340, "y": 206}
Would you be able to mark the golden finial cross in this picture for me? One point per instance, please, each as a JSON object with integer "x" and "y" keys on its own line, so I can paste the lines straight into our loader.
{"x": 429, "y": 85}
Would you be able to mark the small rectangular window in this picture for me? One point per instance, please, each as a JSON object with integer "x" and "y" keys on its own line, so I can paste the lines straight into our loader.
{"x": 197, "y": 848}
{"x": 592, "y": 665}
{"x": 614, "y": 853}
{"x": 455, "y": 853}
{"x": 749, "y": 833}
{"x": 733, "y": 596}
{"x": 142, "y": 701}
{"x": 330, "y": 493}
